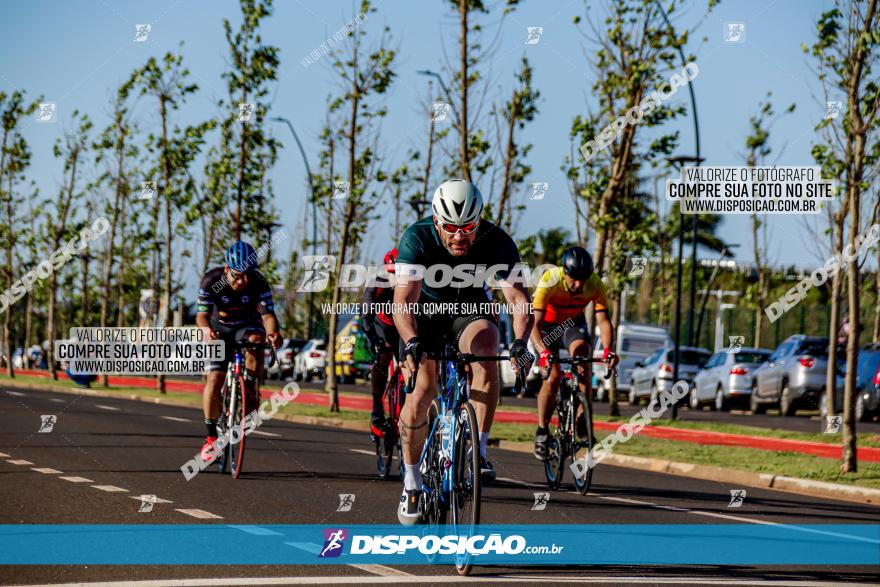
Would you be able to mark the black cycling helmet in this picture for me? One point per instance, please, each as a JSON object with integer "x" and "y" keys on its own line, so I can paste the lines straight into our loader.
{"x": 577, "y": 263}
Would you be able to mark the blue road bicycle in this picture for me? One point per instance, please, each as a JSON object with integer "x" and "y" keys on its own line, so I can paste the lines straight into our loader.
{"x": 450, "y": 460}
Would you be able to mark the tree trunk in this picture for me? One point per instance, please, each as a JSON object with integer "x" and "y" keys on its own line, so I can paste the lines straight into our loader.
{"x": 508, "y": 162}
{"x": 331, "y": 386}
{"x": 465, "y": 82}
{"x": 876, "y": 334}
{"x": 108, "y": 262}
{"x": 426, "y": 185}
{"x": 10, "y": 277}
{"x": 834, "y": 324}
{"x": 166, "y": 182}
{"x": 613, "y": 407}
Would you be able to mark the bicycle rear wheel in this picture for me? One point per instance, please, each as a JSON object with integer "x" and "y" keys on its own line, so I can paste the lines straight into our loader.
{"x": 433, "y": 513}
{"x": 466, "y": 488}
{"x": 583, "y": 447}
{"x": 222, "y": 428}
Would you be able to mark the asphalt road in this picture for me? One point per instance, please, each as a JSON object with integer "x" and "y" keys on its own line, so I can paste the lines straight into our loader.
{"x": 803, "y": 422}
{"x": 295, "y": 474}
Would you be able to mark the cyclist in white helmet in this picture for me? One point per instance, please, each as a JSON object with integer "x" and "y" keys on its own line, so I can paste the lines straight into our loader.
{"x": 453, "y": 235}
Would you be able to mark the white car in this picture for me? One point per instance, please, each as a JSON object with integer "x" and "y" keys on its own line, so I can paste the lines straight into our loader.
{"x": 634, "y": 343}
{"x": 310, "y": 361}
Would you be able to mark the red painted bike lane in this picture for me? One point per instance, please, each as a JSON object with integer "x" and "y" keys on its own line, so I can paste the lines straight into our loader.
{"x": 364, "y": 403}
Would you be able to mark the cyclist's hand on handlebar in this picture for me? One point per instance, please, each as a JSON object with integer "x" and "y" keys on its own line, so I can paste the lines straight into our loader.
{"x": 211, "y": 334}
{"x": 520, "y": 356}
{"x": 275, "y": 339}
{"x": 611, "y": 359}
{"x": 544, "y": 363}
{"x": 412, "y": 355}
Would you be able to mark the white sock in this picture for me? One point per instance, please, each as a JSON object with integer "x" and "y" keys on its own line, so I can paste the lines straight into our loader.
{"x": 412, "y": 477}
{"x": 484, "y": 442}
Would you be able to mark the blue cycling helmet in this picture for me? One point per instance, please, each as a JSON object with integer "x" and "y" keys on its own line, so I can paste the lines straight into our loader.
{"x": 241, "y": 257}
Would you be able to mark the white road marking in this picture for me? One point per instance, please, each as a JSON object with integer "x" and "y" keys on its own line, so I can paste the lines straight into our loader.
{"x": 361, "y": 451}
{"x": 16, "y": 393}
{"x": 262, "y": 433}
{"x": 380, "y": 570}
{"x": 256, "y": 530}
{"x": 395, "y": 579}
{"x": 155, "y": 500}
{"x": 175, "y": 419}
{"x": 523, "y": 483}
{"x": 103, "y": 407}
{"x": 77, "y": 479}
{"x": 201, "y": 514}
{"x": 110, "y": 488}
{"x": 46, "y": 470}
{"x": 19, "y": 462}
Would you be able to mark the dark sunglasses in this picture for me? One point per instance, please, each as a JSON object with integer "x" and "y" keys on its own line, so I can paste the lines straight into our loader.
{"x": 463, "y": 228}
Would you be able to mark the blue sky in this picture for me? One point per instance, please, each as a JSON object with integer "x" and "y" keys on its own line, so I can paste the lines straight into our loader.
{"x": 76, "y": 54}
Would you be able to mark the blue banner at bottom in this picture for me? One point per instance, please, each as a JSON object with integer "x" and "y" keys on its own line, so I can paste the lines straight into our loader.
{"x": 617, "y": 544}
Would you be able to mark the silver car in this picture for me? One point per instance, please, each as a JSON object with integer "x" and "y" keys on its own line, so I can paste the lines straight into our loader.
{"x": 726, "y": 378}
{"x": 653, "y": 375}
{"x": 792, "y": 377}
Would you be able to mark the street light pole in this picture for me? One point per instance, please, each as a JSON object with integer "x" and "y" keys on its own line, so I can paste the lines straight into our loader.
{"x": 314, "y": 215}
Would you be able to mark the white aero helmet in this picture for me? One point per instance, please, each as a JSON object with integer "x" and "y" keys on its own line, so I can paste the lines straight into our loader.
{"x": 457, "y": 201}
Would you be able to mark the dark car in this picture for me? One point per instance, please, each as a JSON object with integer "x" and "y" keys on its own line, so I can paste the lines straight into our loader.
{"x": 867, "y": 386}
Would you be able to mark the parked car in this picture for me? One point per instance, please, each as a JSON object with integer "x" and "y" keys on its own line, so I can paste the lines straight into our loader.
{"x": 867, "y": 386}
{"x": 654, "y": 375}
{"x": 283, "y": 367}
{"x": 727, "y": 378}
{"x": 792, "y": 377}
{"x": 353, "y": 354}
{"x": 310, "y": 361}
{"x": 634, "y": 343}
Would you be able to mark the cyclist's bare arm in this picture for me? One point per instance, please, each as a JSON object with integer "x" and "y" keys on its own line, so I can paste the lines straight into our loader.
{"x": 606, "y": 330}
{"x": 270, "y": 322}
{"x": 407, "y": 291}
{"x": 518, "y": 297}
{"x": 537, "y": 338}
{"x": 203, "y": 321}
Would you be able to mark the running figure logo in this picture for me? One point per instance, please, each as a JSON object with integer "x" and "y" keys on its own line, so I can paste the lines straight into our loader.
{"x": 734, "y": 32}
{"x": 638, "y": 266}
{"x": 539, "y": 190}
{"x": 141, "y": 32}
{"x": 334, "y": 540}
{"x": 317, "y": 274}
{"x": 340, "y": 190}
{"x": 148, "y": 190}
{"x": 541, "y": 500}
{"x": 737, "y": 497}
{"x": 346, "y": 500}
{"x": 47, "y": 423}
{"x": 441, "y": 109}
{"x": 736, "y": 343}
{"x": 833, "y": 108}
{"x": 147, "y": 502}
{"x": 245, "y": 110}
{"x": 834, "y": 423}
{"x": 535, "y": 33}
{"x": 48, "y": 112}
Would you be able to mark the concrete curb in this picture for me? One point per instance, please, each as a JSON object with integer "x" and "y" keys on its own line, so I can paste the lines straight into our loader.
{"x": 712, "y": 473}
{"x": 707, "y": 472}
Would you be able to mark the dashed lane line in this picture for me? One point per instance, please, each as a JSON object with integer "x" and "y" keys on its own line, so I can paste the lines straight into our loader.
{"x": 16, "y": 393}
{"x": 152, "y": 498}
{"x": 110, "y": 488}
{"x": 263, "y": 433}
{"x": 103, "y": 407}
{"x": 380, "y": 570}
{"x": 18, "y": 462}
{"x": 175, "y": 419}
{"x": 77, "y": 479}
{"x": 3, "y": 455}
{"x": 200, "y": 514}
{"x": 46, "y": 470}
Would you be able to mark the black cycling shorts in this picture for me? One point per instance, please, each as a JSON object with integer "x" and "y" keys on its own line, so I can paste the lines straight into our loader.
{"x": 388, "y": 333}
{"x": 435, "y": 332}
{"x": 230, "y": 334}
{"x": 557, "y": 336}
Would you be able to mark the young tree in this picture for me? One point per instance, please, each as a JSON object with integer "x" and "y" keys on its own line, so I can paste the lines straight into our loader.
{"x": 846, "y": 50}
{"x": 366, "y": 74}
{"x": 14, "y": 159}
{"x": 73, "y": 149}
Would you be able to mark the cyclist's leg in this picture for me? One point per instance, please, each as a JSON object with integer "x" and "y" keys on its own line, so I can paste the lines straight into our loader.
{"x": 379, "y": 375}
{"x": 253, "y": 359}
{"x": 546, "y": 399}
{"x": 479, "y": 335}
{"x": 213, "y": 384}
{"x": 577, "y": 339}
{"x": 414, "y": 420}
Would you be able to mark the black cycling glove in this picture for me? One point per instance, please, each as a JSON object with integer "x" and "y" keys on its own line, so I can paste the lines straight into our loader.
{"x": 520, "y": 352}
{"x": 413, "y": 347}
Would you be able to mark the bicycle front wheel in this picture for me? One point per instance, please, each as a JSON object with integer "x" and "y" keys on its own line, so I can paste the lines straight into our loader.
{"x": 583, "y": 444}
{"x": 466, "y": 488}
{"x": 237, "y": 430}
{"x": 554, "y": 466}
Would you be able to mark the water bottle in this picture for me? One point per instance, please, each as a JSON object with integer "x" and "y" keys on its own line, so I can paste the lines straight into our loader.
{"x": 446, "y": 434}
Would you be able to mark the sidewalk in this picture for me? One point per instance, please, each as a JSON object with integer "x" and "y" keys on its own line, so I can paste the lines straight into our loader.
{"x": 364, "y": 403}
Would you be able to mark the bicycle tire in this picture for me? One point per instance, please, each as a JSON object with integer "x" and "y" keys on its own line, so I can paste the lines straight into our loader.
{"x": 238, "y": 452}
{"x": 467, "y": 488}
{"x": 433, "y": 512}
{"x": 223, "y": 457}
{"x": 554, "y": 466}
{"x": 584, "y": 447}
